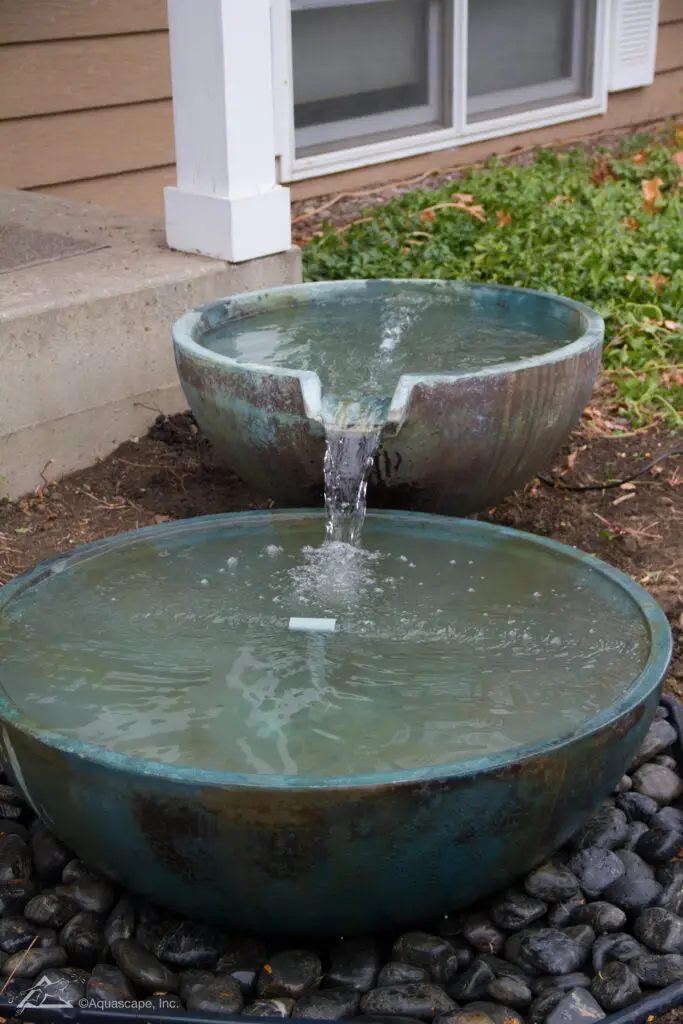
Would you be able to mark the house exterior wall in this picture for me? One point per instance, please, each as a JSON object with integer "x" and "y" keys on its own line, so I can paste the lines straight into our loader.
{"x": 86, "y": 113}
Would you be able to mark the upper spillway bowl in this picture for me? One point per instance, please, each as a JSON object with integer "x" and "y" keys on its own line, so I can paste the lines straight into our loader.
{"x": 471, "y": 695}
{"x": 477, "y": 386}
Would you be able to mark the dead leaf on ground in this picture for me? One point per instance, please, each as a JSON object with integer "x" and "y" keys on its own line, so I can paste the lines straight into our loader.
{"x": 503, "y": 218}
{"x": 639, "y": 158}
{"x": 658, "y": 280}
{"x": 571, "y": 460}
{"x": 602, "y": 170}
{"x": 463, "y": 197}
{"x": 630, "y": 223}
{"x": 560, "y": 199}
{"x": 672, "y": 325}
{"x": 428, "y": 216}
{"x": 474, "y": 211}
{"x": 677, "y": 158}
{"x": 651, "y": 193}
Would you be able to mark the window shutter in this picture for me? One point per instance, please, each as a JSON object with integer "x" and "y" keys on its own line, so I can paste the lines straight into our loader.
{"x": 633, "y": 43}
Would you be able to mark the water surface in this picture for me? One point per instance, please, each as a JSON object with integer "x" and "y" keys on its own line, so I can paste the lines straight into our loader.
{"x": 440, "y": 651}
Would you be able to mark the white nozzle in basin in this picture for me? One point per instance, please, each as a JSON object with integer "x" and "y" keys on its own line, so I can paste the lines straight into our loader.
{"x": 313, "y": 625}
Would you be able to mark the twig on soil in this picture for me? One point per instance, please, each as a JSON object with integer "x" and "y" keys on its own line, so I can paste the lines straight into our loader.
{"x": 19, "y": 963}
{"x": 626, "y": 531}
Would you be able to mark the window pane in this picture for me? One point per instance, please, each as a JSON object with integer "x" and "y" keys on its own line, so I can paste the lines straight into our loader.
{"x": 527, "y": 54}
{"x": 365, "y": 69}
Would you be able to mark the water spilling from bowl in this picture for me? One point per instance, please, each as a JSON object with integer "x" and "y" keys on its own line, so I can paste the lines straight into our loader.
{"x": 210, "y": 651}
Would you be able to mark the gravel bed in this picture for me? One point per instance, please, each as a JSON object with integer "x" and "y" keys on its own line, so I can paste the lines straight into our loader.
{"x": 588, "y": 933}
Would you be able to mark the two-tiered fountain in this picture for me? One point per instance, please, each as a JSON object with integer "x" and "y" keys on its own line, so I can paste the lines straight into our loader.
{"x": 320, "y": 721}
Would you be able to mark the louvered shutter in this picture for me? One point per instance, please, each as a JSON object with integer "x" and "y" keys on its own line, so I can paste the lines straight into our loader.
{"x": 633, "y": 43}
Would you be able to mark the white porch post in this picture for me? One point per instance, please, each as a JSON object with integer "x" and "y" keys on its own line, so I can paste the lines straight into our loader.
{"x": 227, "y": 203}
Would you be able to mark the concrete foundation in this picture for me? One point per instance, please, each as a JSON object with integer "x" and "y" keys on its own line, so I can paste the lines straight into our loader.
{"x": 86, "y": 360}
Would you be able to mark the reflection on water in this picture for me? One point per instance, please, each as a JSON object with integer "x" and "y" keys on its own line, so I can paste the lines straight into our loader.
{"x": 440, "y": 651}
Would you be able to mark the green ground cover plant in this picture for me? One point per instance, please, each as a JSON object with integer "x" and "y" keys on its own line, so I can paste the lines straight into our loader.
{"x": 602, "y": 227}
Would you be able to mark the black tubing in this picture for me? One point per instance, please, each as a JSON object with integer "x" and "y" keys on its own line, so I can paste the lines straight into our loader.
{"x": 661, "y": 1002}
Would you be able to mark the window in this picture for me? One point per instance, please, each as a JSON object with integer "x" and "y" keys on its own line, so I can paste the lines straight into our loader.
{"x": 363, "y": 81}
{"x": 362, "y": 69}
{"x": 527, "y": 54}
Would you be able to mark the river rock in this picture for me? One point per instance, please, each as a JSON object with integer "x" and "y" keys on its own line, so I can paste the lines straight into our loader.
{"x": 636, "y": 830}
{"x": 606, "y": 829}
{"x": 11, "y": 795}
{"x": 188, "y": 981}
{"x": 50, "y": 857}
{"x": 15, "y": 859}
{"x": 563, "y": 982}
{"x": 620, "y": 946}
{"x": 659, "y": 930}
{"x": 668, "y": 819}
{"x": 423, "y": 1000}
{"x": 624, "y": 785}
{"x": 552, "y": 882}
{"x": 30, "y": 962}
{"x": 583, "y": 935}
{"x": 638, "y": 807}
{"x": 668, "y": 761}
{"x": 121, "y": 921}
{"x": 190, "y": 944}
{"x": 50, "y": 910}
{"x": 504, "y": 968}
{"x": 66, "y": 985}
{"x": 514, "y": 910}
{"x": 281, "y": 1007}
{"x": 562, "y": 914}
{"x": 397, "y": 973}
{"x": 142, "y": 967}
{"x": 220, "y": 995}
{"x": 109, "y": 984}
{"x": 671, "y": 898}
{"x": 328, "y": 1004}
{"x": 17, "y": 933}
{"x": 83, "y": 939}
{"x": 421, "y": 949}
{"x": 658, "y": 969}
{"x": 472, "y": 983}
{"x": 481, "y": 933}
{"x": 666, "y": 874}
{"x": 13, "y": 828}
{"x": 15, "y": 895}
{"x": 354, "y": 964}
{"x": 293, "y": 973}
{"x": 658, "y": 846}
{"x": 596, "y": 869}
{"x": 602, "y": 917}
{"x": 543, "y": 1004}
{"x": 576, "y": 1007}
{"x": 660, "y": 736}
{"x": 637, "y": 888}
{"x": 76, "y": 869}
{"x": 511, "y": 991}
{"x": 659, "y": 782}
{"x": 457, "y": 1017}
{"x": 96, "y": 895}
{"x": 240, "y": 951}
{"x": 552, "y": 951}
{"x": 615, "y": 987}
{"x": 499, "y": 1014}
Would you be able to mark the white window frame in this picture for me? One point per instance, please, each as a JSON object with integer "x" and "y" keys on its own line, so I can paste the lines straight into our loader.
{"x": 392, "y": 120}
{"x": 293, "y": 168}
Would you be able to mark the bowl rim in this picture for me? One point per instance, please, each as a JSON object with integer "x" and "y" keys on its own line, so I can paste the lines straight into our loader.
{"x": 642, "y": 686}
{"x": 186, "y": 327}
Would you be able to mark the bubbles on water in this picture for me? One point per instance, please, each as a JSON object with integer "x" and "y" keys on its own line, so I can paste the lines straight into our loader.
{"x": 204, "y": 582}
{"x": 232, "y": 562}
{"x": 273, "y": 550}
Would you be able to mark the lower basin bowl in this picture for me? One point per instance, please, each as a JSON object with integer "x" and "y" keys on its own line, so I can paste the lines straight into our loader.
{"x": 472, "y": 388}
{"x": 245, "y": 723}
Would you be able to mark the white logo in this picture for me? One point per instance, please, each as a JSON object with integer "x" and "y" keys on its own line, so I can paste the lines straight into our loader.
{"x": 43, "y": 993}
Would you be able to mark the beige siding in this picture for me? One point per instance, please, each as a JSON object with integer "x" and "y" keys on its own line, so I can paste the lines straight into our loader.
{"x": 85, "y": 107}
